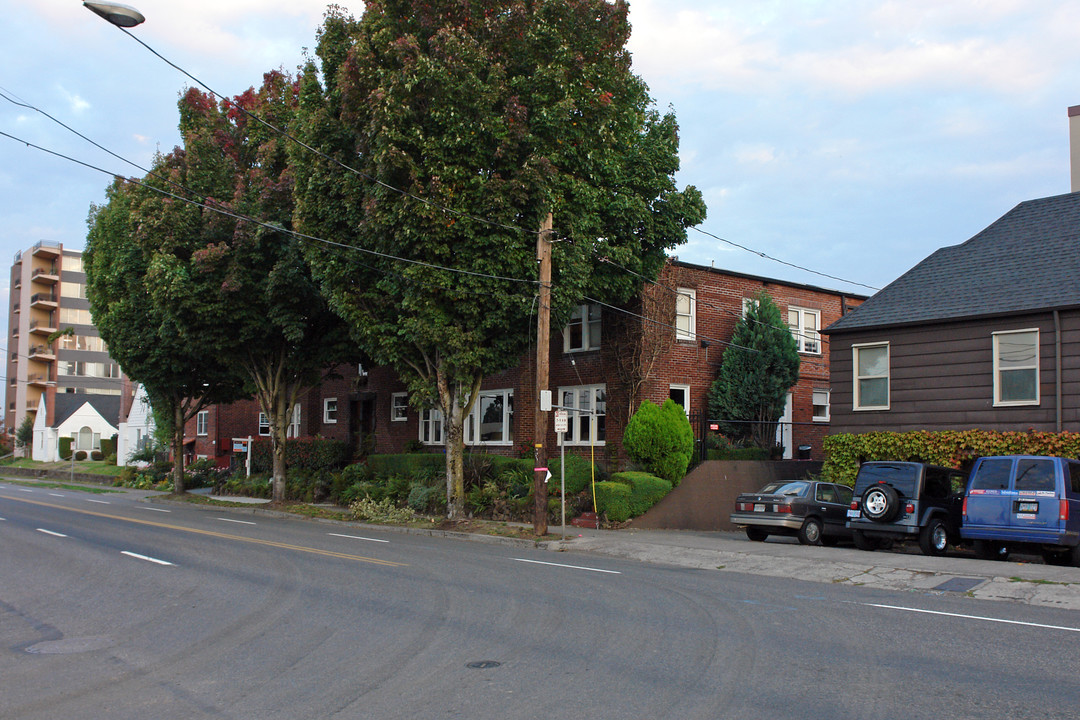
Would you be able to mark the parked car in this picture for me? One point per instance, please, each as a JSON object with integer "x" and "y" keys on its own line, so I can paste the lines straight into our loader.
{"x": 812, "y": 511}
{"x": 906, "y": 501}
{"x": 1023, "y": 501}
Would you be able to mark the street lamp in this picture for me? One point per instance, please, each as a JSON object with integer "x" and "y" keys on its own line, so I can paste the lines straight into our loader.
{"x": 119, "y": 15}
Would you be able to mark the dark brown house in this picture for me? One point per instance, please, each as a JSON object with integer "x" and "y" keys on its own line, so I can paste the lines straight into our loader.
{"x": 980, "y": 335}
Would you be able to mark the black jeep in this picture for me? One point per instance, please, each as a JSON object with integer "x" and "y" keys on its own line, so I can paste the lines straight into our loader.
{"x": 906, "y": 500}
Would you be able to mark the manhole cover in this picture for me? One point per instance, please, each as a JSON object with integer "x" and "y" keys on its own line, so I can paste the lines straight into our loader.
{"x": 69, "y": 646}
{"x": 960, "y": 585}
{"x": 483, "y": 664}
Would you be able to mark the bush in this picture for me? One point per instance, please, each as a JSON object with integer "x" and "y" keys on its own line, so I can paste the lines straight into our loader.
{"x": 645, "y": 490}
{"x": 80, "y": 454}
{"x": 65, "y": 448}
{"x": 660, "y": 439}
{"x": 579, "y": 473}
{"x": 366, "y": 510}
{"x": 96, "y": 455}
{"x": 412, "y": 465}
{"x": 613, "y": 500}
{"x": 108, "y": 447}
{"x": 422, "y": 499}
{"x": 309, "y": 453}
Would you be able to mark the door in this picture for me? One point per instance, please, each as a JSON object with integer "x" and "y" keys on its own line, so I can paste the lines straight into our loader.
{"x": 833, "y": 502}
{"x": 1035, "y": 504}
{"x": 989, "y": 499}
{"x": 783, "y": 430}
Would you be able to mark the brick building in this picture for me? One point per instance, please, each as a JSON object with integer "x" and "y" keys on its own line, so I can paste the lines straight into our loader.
{"x": 667, "y": 344}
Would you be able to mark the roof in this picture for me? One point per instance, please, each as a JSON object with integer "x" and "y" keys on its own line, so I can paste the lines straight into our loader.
{"x": 1027, "y": 261}
{"x": 66, "y": 405}
{"x": 765, "y": 280}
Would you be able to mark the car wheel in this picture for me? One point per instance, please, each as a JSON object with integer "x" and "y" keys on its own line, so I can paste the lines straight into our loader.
{"x": 756, "y": 534}
{"x": 862, "y": 541}
{"x": 1056, "y": 557}
{"x": 880, "y": 503}
{"x": 934, "y": 538}
{"x": 810, "y": 532}
{"x": 990, "y": 550}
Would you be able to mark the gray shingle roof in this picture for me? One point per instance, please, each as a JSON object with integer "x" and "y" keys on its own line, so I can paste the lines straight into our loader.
{"x": 108, "y": 406}
{"x": 1029, "y": 260}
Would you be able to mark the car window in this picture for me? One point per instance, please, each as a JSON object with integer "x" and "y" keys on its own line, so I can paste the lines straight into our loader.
{"x": 992, "y": 475}
{"x": 937, "y": 485}
{"x": 827, "y": 494}
{"x": 1035, "y": 475}
{"x": 901, "y": 477}
{"x": 844, "y": 493}
{"x": 790, "y": 489}
{"x": 1074, "y": 476}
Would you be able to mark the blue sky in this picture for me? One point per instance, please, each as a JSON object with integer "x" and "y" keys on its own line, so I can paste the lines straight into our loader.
{"x": 850, "y": 137}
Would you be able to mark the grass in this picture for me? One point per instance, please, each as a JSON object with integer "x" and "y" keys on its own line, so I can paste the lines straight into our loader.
{"x": 62, "y": 486}
{"x": 89, "y": 467}
{"x": 1038, "y": 581}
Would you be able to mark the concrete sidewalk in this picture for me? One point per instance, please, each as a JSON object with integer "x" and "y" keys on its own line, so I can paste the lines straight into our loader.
{"x": 1021, "y": 579}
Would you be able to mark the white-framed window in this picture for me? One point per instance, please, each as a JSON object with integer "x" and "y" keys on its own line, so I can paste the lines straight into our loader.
{"x": 587, "y": 406}
{"x": 202, "y": 422}
{"x": 399, "y": 407}
{"x": 1016, "y": 367}
{"x": 747, "y": 305}
{"x": 492, "y": 420}
{"x": 681, "y": 395}
{"x": 820, "y": 405}
{"x": 805, "y": 327}
{"x": 685, "y": 314}
{"x": 329, "y": 411}
{"x": 431, "y": 426}
{"x": 292, "y": 430}
{"x": 583, "y": 330}
{"x": 264, "y": 425}
{"x": 871, "y": 365}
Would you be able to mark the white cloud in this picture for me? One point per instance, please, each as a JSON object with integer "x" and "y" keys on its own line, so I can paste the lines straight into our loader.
{"x": 754, "y": 154}
{"x": 74, "y": 101}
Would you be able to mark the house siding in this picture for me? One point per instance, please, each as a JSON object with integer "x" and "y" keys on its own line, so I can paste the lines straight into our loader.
{"x": 942, "y": 377}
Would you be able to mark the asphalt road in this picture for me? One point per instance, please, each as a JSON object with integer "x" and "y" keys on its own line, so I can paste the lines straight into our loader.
{"x": 134, "y": 610}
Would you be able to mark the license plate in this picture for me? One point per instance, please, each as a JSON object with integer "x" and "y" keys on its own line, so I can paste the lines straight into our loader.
{"x": 1028, "y": 507}
{"x": 854, "y": 514}
{"x": 759, "y": 507}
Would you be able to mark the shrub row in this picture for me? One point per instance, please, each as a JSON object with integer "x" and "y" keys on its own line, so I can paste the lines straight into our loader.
{"x": 313, "y": 453}
{"x": 629, "y": 494}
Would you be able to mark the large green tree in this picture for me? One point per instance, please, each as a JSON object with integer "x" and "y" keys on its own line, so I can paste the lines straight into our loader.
{"x": 758, "y": 368}
{"x": 454, "y": 127}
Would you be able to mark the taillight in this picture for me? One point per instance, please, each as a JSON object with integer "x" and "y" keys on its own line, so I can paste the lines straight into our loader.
{"x": 783, "y": 508}
{"x": 1063, "y": 510}
{"x": 854, "y": 504}
{"x": 909, "y": 508}
{"x": 964, "y": 508}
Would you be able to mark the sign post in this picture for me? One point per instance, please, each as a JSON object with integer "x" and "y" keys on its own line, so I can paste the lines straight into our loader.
{"x": 561, "y": 426}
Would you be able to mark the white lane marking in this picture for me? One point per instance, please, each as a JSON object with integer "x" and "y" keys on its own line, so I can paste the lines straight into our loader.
{"x": 145, "y": 557}
{"x": 357, "y": 537}
{"x": 239, "y": 522}
{"x": 99, "y": 502}
{"x": 572, "y": 567}
{"x": 973, "y": 617}
{"x": 153, "y": 509}
{"x": 55, "y": 495}
{"x": 50, "y": 532}
{"x": 24, "y": 490}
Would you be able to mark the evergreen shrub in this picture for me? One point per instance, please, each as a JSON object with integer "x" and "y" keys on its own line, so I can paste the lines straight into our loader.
{"x": 645, "y": 490}
{"x": 660, "y": 439}
{"x": 613, "y": 500}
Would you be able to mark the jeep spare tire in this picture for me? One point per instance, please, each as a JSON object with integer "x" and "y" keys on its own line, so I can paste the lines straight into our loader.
{"x": 880, "y": 503}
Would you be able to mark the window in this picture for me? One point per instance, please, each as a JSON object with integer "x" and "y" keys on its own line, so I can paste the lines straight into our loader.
{"x": 399, "y": 407}
{"x": 1016, "y": 368}
{"x": 871, "y": 363}
{"x": 1036, "y": 475}
{"x": 747, "y": 305}
{"x": 587, "y": 407}
{"x": 73, "y": 290}
{"x": 431, "y": 427}
{"x": 202, "y": 422}
{"x": 804, "y": 325}
{"x": 293, "y": 429}
{"x": 685, "y": 314}
{"x": 72, "y": 316}
{"x": 264, "y": 424}
{"x": 681, "y": 395}
{"x": 329, "y": 411}
{"x": 72, "y": 263}
{"x": 492, "y": 419}
{"x": 821, "y": 406}
{"x": 582, "y": 332}
{"x": 79, "y": 368}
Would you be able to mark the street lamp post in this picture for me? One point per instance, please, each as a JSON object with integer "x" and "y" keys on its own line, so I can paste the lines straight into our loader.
{"x": 119, "y": 15}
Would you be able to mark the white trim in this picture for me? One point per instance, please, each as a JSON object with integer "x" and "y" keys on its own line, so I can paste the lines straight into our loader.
{"x": 856, "y": 378}
{"x": 264, "y": 422}
{"x": 1032, "y": 365}
{"x": 395, "y": 407}
{"x": 329, "y": 413}
{"x": 474, "y": 424}
{"x": 686, "y": 318}
{"x": 813, "y": 396}
{"x": 588, "y": 318}
{"x": 431, "y": 420}
{"x": 595, "y": 421}
{"x": 202, "y": 423}
{"x": 686, "y": 394}
{"x": 807, "y": 340}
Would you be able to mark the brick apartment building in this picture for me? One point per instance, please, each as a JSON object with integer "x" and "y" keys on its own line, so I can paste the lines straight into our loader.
{"x": 605, "y": 362}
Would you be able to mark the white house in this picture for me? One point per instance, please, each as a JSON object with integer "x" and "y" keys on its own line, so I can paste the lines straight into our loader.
{"x": 137, "y": 429}
{"x": 83, "y": 417}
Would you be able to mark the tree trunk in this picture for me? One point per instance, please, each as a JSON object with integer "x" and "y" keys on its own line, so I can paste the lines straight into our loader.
{"x": 455, "y": 409}
{"x": 178, "y": 449}
{"x": 279, "y": 421}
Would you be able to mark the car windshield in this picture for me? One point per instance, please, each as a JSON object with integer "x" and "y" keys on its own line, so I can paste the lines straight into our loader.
{"x": 901, "y": 477}
{"x": 788, "y": 489}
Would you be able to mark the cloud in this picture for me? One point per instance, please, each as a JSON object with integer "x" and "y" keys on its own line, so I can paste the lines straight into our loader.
{"x": 74, "y": 101}
{"x": 754, "y": 154}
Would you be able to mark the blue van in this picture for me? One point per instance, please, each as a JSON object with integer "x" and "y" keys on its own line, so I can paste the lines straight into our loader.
{"x": 1015, "y": 501}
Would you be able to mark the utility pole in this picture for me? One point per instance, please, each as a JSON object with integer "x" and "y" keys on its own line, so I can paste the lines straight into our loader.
{"x": 543, "y": 355}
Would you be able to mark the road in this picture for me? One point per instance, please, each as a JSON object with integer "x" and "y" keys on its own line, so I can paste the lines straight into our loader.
{"x": 115, "y": 608}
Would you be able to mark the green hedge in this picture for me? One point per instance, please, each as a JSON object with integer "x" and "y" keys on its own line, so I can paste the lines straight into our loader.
{"x": 412, "y": 465}
{"x": 645, "y": 490}
{"x": 311, "y": 453}
{"x": 65, "y": 448}
{"x": 579, "y": 473}
{"x": 108, "y": 447}
{"x": 660, "y": 439}
{"x": 950, "y": 448}
{"x": 613, "y": 500}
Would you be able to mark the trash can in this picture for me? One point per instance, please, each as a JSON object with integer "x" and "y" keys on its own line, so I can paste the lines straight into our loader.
{"x": 804, "y": 452}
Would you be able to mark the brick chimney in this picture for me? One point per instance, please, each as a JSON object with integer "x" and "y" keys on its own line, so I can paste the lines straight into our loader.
{"x": 1074, "y": 147}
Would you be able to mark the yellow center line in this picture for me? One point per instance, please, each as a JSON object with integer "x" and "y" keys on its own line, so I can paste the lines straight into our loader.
{"x": 211, "y": 533}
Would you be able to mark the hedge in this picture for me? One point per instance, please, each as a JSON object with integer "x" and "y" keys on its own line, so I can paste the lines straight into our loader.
{"x": 65, "y": 448}
{"x": 660, "y": 439}
{"x": 579, "y": 473}
{"x": 613, "y": 500}
{"x": 950, "y": 448}
{"x": 108, "y": 447}
{"x": 412, "y": 465}
{"x": 312, "y": 453}
{"x": 645, "y": 490}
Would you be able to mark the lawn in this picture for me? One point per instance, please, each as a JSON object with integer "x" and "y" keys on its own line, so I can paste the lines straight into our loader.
{"x": 90, "y": 467}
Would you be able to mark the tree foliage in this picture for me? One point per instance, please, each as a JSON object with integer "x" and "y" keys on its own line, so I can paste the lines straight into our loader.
{"x": 757, "y": 370}
{"x": 465, "y": 124}
{"x": 660, "y": 439}
{"x": 24, "y": 434}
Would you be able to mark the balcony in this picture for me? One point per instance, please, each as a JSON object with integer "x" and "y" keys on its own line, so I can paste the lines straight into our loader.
{"x": 38, "y": 380}
{"x": 32, "y": 407}
{"x": 43, "y": 300}
{"x": 45, "y": 275}
{"x": 46, "y": 249}
{"x": 15, "y": 307}
{"x": 42, "y": 327}
{"x": 44, "y": 353}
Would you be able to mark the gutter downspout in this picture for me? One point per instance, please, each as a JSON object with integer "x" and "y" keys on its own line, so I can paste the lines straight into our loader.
{"x": 1057, "y": 369}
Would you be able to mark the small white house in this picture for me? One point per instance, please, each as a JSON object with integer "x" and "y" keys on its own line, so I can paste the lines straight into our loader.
{"x": 84, "y": 418}
{"x": 137, "y": 429}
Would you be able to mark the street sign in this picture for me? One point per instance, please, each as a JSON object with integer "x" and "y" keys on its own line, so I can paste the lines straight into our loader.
{"x": 240, "y": 444}
{"x": 561, "y": 424}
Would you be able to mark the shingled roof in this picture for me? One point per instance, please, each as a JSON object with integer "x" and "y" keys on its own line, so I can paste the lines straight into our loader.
{"x": 1029, "y": 260}
{"x": 65, "y": 405}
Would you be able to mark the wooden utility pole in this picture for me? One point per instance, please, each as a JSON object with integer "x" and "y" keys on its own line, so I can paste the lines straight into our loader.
{"x": 543, "y": 355}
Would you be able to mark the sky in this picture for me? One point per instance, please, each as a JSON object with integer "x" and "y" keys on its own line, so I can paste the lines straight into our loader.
{"x": 839, "y": 141}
